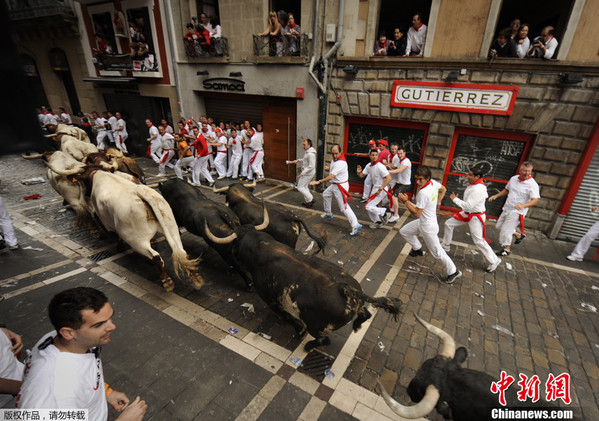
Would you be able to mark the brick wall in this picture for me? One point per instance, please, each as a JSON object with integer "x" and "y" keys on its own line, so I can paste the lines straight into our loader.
{"x": 560, "y": 116}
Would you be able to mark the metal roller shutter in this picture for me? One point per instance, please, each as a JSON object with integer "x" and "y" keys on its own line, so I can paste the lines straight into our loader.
{"x": 580, "y": 218}
{"x": 237, "y": 110}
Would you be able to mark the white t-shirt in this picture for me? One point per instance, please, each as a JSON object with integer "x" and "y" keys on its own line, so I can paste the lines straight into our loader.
{"x": 168, "y": 129}
{"x": 55, "y": 379}
{"x": 339, "y": 169}
{"x": 51, "y": 118}
{"x": 66, "y": 119}
{"x": 113, "y": 123}
{"x": 377, "y": 172}
{"x": 223, "y": 140}
{"x": 154, "y": 131}
{"x": 474, "y": 200}
{"x": 404, "y": 177}
{"x": 121, "y": 123}
{"x": 426, "y": 199}
{"x": 100, "y": 122}
{"x": 167, "y": 141}
{"x": 10, "y": 367}
{"x": 257, "y": 141}
{"x": 520, "y": 192}
{"x": 235, "y": 144}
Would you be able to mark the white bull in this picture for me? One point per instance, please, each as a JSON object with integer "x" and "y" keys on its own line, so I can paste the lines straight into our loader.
{"x": 76, "y": 132}
{"x": 76, "y": 148}
{"x": 136, "y": 212}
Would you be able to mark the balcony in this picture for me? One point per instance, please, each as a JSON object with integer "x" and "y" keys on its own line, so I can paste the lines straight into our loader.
{"x": 37, "y": 19}
{"x": 219, "y": 47}
{"x": 277, "y": 47}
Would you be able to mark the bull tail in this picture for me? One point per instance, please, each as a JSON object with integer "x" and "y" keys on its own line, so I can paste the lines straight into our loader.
{"x": 166, "y": 219}
{"x": 391, "y": 305}
{"x": 321, "y": 241}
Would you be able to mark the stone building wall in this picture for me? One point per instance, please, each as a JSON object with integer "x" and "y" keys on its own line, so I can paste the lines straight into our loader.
{"x": 561, "y": 117}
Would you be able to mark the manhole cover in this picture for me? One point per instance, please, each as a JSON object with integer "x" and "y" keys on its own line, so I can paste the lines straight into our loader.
{"x": 316, "y": 364}
{"x": 103, "y": 255}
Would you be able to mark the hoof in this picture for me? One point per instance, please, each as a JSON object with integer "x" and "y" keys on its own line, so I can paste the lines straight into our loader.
{"x": 316, "y": 343}
{"x": 168, "y": 284}
{"x": 197, "y": 282}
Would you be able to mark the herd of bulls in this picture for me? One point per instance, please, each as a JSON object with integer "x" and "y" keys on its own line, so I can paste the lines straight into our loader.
{"x": 257, "y": 239}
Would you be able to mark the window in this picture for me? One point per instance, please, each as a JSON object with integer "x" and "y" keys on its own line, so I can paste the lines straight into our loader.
{"x": 210, "y": 7}
{"x": 290, "y": 6}
{"x": 396, "y": 14}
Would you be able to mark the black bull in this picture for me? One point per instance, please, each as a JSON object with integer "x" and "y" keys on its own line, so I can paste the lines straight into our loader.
{"x": 457, "y": 393}
{"x": 284, "y": 226}
{"x": 315, "y": 296}
{"x": 191, "y": 208}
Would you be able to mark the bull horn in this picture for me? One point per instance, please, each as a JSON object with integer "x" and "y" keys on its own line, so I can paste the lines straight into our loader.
{"x": 51, "y": 136}
{"x": 36, "y": 156}
{"x": 112, "y": 165}
{"x": 65, "y": 172}
{"x": 221, "y": 190}
{"x": 265, "y": 222}
{"x": 421, "y": 409}
{"x": 252, "y": 184}
{"x": 226, "y": 240}
{"x": 448, "y": 344}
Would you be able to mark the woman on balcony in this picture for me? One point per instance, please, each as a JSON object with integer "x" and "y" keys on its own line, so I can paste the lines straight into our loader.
{"x": 273, "y": 31}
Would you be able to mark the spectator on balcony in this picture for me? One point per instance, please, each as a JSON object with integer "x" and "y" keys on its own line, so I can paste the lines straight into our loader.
{"x": 216, "y": 35}
{"x": 103, "y": 46}
{"x": 503, "y": 46}
{"x": 416, "y": 37}
{"x": 192, "y": 39}
{"x": 514, "y": 28}
{"x": 206, "y": 23}
{"x": 544, "y": 46}
{"x": 273, "y": 31}
{"x": 397, "y": 46}
{"x": 522, "y": 41}
{"x": 295, "y": 34}
{"x": 380, "y": 47}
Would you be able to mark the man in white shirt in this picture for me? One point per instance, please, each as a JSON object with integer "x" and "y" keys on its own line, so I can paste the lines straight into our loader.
{"x": 400, "y": 169}
{"x": 473, "y": 214}
{"x": 167, "y": 145}
{"x": 167, "y": 128}
{"x": 545, "y": 48}
{"x": 368, "y": 181}
{"x": 380, "y": 180}
{"x": 64, "y": 369}
{"x": 585, "y": 242}
{"x": 220, "y": 161}
{"x": 120, "y": 133}
{"x": 236, "y": 148}
{"x": 425, "y": 209}
{"x": 102, "y": 131}
{"x": 65, "y": 117}
{"x": 522, "y": 193}
{"x": 246, "y": 134}
{"x": 113, "y": 121}
{"x": 339, "y": 178}
{"x": 154, "y": 146}
{"x": 308, "y": 171}
{"x": 11, "y": 369}
{"x": 416, "y": 37}
{"x": 256, "y": 145}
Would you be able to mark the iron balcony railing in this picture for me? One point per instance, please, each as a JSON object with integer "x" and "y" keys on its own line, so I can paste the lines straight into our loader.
{"x": 219, "y": 47}
{"x": 29, "y": 9}
{"x": 281, "y": 45}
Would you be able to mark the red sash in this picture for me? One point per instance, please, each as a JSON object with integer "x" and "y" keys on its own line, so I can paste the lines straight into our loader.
{"x": 149, "y": 151}
{"x": 522, "y": 223}
{"x": 165, "y": 156}
{"x": 468, "y": 217}
{"x": 253, "y": 158}
{"x": 389, "y": 196}
{"x": 344, "y": 193}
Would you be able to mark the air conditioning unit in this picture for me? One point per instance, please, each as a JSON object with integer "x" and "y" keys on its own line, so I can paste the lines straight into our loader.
{"x": 331, "y": 32}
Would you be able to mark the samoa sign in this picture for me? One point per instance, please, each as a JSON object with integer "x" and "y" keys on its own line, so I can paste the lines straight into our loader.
{"x": 224, "y": 84}
{"x": 461, "y": 97}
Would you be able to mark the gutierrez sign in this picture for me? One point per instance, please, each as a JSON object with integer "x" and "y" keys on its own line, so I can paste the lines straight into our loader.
{"x": 462, "y": 97}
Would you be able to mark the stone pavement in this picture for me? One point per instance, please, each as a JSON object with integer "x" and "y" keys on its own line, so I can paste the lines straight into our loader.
{"x": 220, "y": 353}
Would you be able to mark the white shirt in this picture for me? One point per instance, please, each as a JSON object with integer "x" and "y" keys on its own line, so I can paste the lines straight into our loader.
{"x": 416, "y": 39}
{"x": 66, "y": 119}
{"x": 522, "y": 49}
{"x": 113, "y": 123}
{"x": 550, "y": 47}
{"x": 223, "y": 140}
{"x": 339, "y": 169}
{"x": 168, "y": 129}
{"x": 56, "y": 379}
{"x": 10, "y": 367}
{"x": 245, "y": 134}
{"x": 100, "y": 122}
{"x": 235, "y": 144}
{"x": 520, "y": 192}
{"x": 309, "y": 162}
{"x": 123, "y": 132}
{"x": 475, "y": 197}
{"x": 377, "y": 172}
{"x": 167, "y": 141}
{"x": 256, "y": 141}
{"x": 426, "y": 199}
{"x": 404, "y": 177}
{"x": 154, "y": 131}
{"x": 51, "y": 118}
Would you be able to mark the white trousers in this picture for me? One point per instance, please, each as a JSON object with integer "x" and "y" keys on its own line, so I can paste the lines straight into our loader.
{"x": 476, "y": 232}
{"x": 429, "y": 233}
{"x": 245, "y": 161}
{"x": 302, "y": 186}
{"x": 220, "y": 162}
{"x": 200, "y": 167}
{"x": 233, "y": 170}
{"x": 585, "y": 242}
{"x": 165, "y": 160}
{"x": 100, "y": 139}
{"x": 507, "y": 224}
{"x": 155, "y": 151}
{"x": 120, "y": 141}
{"x": 182, "y": 162}
{"x": 367, "y": 187}
{"x": 374, "y": 212}
{"x": 256, "y": 166}
{"x": 327, "y": 197}
{"x": 8, "y": 231}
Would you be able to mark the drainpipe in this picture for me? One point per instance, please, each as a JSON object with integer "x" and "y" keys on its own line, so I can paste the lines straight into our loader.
{"x": 315, "y": 38}
{"x": 322, "y": 97}
{"x": 167, "y": 15}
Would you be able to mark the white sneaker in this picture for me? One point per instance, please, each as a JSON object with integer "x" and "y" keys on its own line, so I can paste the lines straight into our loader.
{"x": 446, "y": 247}
{"x": 221, "y": 177}
{"x": 355, "y": 230}
{"x": 196, "y": 184}
{"x": 393, "y": 219}
{"x": 376, "y": 225}
{"x": 573, "y": 258}
{"x": 493, "y": 266}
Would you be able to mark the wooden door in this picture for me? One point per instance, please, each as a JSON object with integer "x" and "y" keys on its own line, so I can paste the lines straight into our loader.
{"x": 279, "y": 137}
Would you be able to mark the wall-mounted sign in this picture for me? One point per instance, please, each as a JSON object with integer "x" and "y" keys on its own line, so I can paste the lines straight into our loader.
{"x": 224, "y": 84}
{"x": 463, "y": 97}
{"x": 299, "y": 93}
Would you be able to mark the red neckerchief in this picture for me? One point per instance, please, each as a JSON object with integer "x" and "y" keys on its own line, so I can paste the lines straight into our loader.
{"x": 341, "y": 158}
{"x": 205, "y": 130}
{"x": 405, "y": 157}
{"x": 294, "y": 25}
{"x": 479, "y": 181}
{"x": 427, "y": 183}
{"x": 248, "y": 133}
{"x": 391, "y": 157}
{"x": 520, "y": 179}
{"x": 420, "y": 26}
